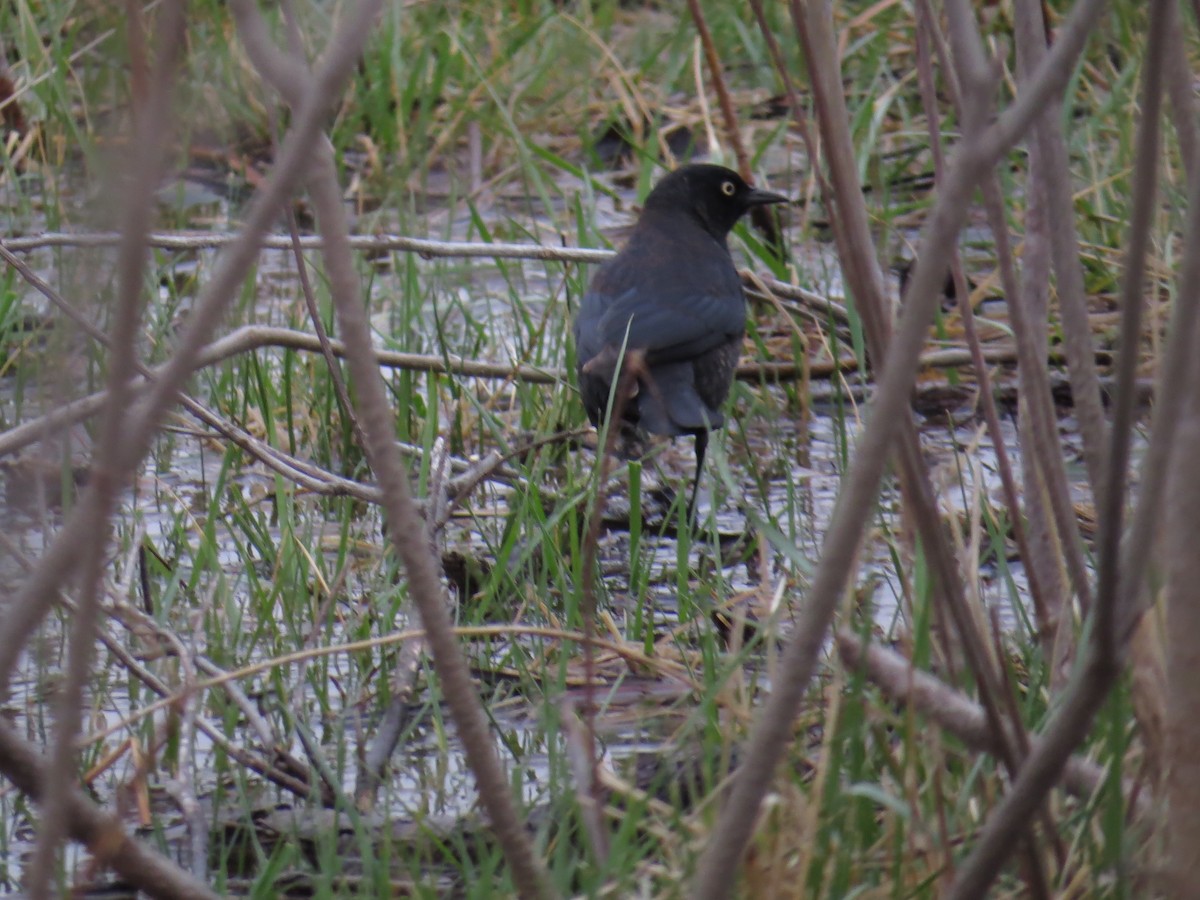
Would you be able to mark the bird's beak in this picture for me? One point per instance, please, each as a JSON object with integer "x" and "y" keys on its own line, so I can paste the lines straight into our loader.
{"x": 758, "y": 197}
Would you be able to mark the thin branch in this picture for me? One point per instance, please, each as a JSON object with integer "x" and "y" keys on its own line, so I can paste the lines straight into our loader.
{"x": 949, "y": 591}
{"x": 1178, "y": 369}
{"x": 798, "y": 115}
{"x": 1042, "y": 463}
{"x": 1182, "y": 646}
{"x": 762, "y": 217}
{"x": 182, "y": 787}
{"x": 426, "y": 249}
{"x": 994, "y": 689}
{"x": 403, "y": 675}
{"x": 314, "y": 316}
{"x": 587, "y": 772}
{"x": 718, "y": 79}
{"x": 295, "y": 470}
{"x": 859, "y": 263}
{"x": 249, "y": 338}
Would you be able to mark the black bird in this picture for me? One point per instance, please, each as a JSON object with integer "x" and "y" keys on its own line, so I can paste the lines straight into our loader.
{"x": 672, "y": 300}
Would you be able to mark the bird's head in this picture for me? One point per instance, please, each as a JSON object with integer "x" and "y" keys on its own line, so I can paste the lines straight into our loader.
{"x": 714, "y": 195}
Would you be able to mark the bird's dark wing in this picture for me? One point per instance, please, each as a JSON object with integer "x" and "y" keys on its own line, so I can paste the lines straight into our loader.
{"x": 676, "y": 331}
{"x": 672, "y": 312}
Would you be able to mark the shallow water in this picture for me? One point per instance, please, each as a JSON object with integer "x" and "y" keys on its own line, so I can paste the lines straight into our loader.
{"x": 765, "y": 464}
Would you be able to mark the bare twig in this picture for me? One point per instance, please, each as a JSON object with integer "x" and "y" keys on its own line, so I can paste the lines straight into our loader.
{"x": 310, "y": 300}
{"x": 427, "y": 249}
{"x": 718, "y": 79}
{"x": 332, "y": 792}
{"x": 403, "y": 675}
{"x": 949, "y": 591}
{"x": 1048, "y": 495}
{"x": 249, "y": 338}
{"x": 314, "y": 316}
{"x": 1045, "y": 475}
{"x": 295, "y": 779}
{"x": 138, "y": 621}
{"x": 182, "y": 787}
{"x": 798, "y": 114}
{"x": 1111, "y": 500}
{"x": 298, "y": 471}
{"x": 634, "y": 656}
{"x": 1179, "y": 88}
{"x": 631, "y": 363}
{"x": 1043, "y": 467}
{"x": 1178, "y": 367}
{"x": 856, "y": 248}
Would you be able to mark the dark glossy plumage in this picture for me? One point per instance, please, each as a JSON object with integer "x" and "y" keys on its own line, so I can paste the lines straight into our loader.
{"x": 673, "y": 299}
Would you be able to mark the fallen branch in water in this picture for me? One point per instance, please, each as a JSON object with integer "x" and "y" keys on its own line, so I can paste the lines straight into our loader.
{"x": 896, "y": 677}
{"x": 257, "y": 337}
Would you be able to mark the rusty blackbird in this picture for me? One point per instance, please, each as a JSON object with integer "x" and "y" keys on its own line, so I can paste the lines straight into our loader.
{"x": 669, "y": 308}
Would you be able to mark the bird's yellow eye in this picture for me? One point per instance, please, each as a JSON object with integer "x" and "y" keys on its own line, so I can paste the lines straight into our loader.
{"x": 728, "y": 188}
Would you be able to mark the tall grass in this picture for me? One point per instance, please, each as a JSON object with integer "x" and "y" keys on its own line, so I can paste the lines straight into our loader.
{"x": 245, "y": 567}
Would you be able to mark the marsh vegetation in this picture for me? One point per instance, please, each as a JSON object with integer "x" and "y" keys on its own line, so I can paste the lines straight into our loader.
{"x": 317, "y": 584}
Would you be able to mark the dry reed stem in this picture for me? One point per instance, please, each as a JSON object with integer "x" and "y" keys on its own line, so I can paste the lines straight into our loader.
{"x": 59, "y": 562}
{"x": 1045, "y": 472}
{"x": 856, "y": 249}
{"x": 1047, "y": 143}
{"x": 1176, "y": 368}
{"x": 109, "y": 474}
{"x": 925, "y": 28}
{"x": 1111, "y": 498}
{"x": 104, "y": 835}
{"x": 407, "y": 530}
{"x": 719, "y": 863}
{"x": 82, "y": 537}
{"x": 1099, "y": 665}
{"x": 1183, "y": 657}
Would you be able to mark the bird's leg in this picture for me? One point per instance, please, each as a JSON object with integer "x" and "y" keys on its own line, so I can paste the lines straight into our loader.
{"x": 701, "y": 449}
